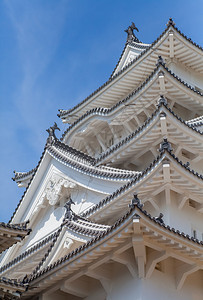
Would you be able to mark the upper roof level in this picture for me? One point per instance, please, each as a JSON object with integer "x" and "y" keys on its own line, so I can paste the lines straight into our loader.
{"x": 137, "y": 62}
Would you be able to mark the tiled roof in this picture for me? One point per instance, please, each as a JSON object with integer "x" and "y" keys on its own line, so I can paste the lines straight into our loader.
{"x": 106, "y": 111}
{"x": 76, "y": 154}
{"x": 118, "y": 192}
{"x": 167, "y": 227}
{"x": 81, "y": 248}
{"x": 21, "y": 175}
{"x": 76, "y": 224}
{"x": 80, "y": 161}
{"x": 11, "y": 288}
{"x": 74, "y": 162}
{"x": 11, "y": 233}
{"x": 71, "y": 150}
{"x": 16, "y": 227}
{"x": 36, "y": 168}
{"x": 133, "y": 135}
{"x": 136, "y": 211}
{"x": 169, "y": 25}
{"x": 85, "y": 227}
{"x": 136, "y": 45}
{"x": 196, "y": 122}
{"x": 28, "y": 252}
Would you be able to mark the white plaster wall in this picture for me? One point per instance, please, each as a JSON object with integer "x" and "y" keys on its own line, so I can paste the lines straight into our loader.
{"x": 100, "y": 185}
{"x": 186, "y": 74}
{"x": 184, "y": 219}
{"x": 161, "y": 285}
{"x": 45, "y": 224}
{"x": 129, "y": 55}
{"x": 84, "y": 199}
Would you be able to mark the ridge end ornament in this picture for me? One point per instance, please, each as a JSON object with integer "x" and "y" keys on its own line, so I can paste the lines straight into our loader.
{"x": 165, "y": 145}
{"x": 159, "y": 219}
{"x": 135, "y": 202}
{"x": 160, "y": 61}
{"x": 51, "y": 131}
{"x": 69, "y": 213}
{"x": 131, "y": 36}
{"x": 162, "y": 100}
{"x": 170, "y": 22}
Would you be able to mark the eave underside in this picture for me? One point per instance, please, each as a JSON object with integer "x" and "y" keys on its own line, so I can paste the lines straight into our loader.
{"x": 138, "y": 241}
{"x": 171, "y": 45}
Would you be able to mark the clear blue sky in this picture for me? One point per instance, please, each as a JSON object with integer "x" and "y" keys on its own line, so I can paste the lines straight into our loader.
{"x": 54, "y": 53}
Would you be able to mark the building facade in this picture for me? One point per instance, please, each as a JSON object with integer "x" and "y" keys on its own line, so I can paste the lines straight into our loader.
{"x": 115, "y": 206}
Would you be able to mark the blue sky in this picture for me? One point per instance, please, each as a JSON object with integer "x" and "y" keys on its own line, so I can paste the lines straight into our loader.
{"x": 54, "y": 53}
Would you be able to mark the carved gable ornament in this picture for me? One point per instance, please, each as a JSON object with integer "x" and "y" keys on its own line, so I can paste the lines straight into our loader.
{"x": 54, "y": 186}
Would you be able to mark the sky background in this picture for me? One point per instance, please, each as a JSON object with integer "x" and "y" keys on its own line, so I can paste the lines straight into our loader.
{"x": 54, "y": 53}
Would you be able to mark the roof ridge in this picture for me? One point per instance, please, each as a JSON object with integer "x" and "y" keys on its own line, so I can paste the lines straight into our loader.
{"x": 19, "y": 226}
{"x": 21, "y": 175}
{"x": 170, "y": 24}
{"x": 134, "y": 211}
{"x": 35, "y": 275}
{"x": 110, "y": 197}
{"x": 27, "y": 252}
{"x": 75, "y": 152}
{"x": 169, "y": 228}
{"x": 126, "y": 186}
{"x": 36, "y": 168}
{"x": 91, "y": 169}
{"x": 86, "y": 228}
{"x": 141, "y": 129}
{"x": 117, "y": 74}
{"x": 105, "y": 111}
{"x": 49, "y": 147}
{"x": 40, "y": 264}
{"x": 188, "y": 39}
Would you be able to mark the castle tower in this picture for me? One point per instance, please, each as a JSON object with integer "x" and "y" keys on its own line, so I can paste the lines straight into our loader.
{"x": 115, "y": 206}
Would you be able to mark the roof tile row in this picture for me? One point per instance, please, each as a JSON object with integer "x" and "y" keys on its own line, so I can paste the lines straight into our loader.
{"x": 106, "y": 111}
{"x": 170, "y": 24}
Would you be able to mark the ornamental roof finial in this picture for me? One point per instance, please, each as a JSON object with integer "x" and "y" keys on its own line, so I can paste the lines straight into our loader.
{"x": 131, "y": 36}
{"x": 165, "y": 145}
{"x": 69, "y": 212}
{"x": 159, "y": 219}
{"x": 51, "y": 138}
{"x": 160, "y": 61}
{"x": 162, "y": 100}
{"x": 135, "y": 202}
{"x": 171, "y": 22}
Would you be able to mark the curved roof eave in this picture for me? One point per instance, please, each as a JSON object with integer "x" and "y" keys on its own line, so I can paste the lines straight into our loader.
{"x": 136, "y": 212}
{"x": 100, "y": 172}
{"x": 28, "y": 252}
{"x": 79, "y": 161}
{"x": 31, "y": 179}
{"x": 111, "y": 79}
{"x": 127, "y": 67}
{"x": 140, "y": 130}
{"x": 101, "y": 111}
{"x": 147, "y": 172}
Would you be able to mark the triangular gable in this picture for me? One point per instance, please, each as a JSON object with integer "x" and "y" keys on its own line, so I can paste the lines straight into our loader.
{"x": 122, "y": 110}
{"x": 152, "y": 179}
{"x": 113, "y": 83}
